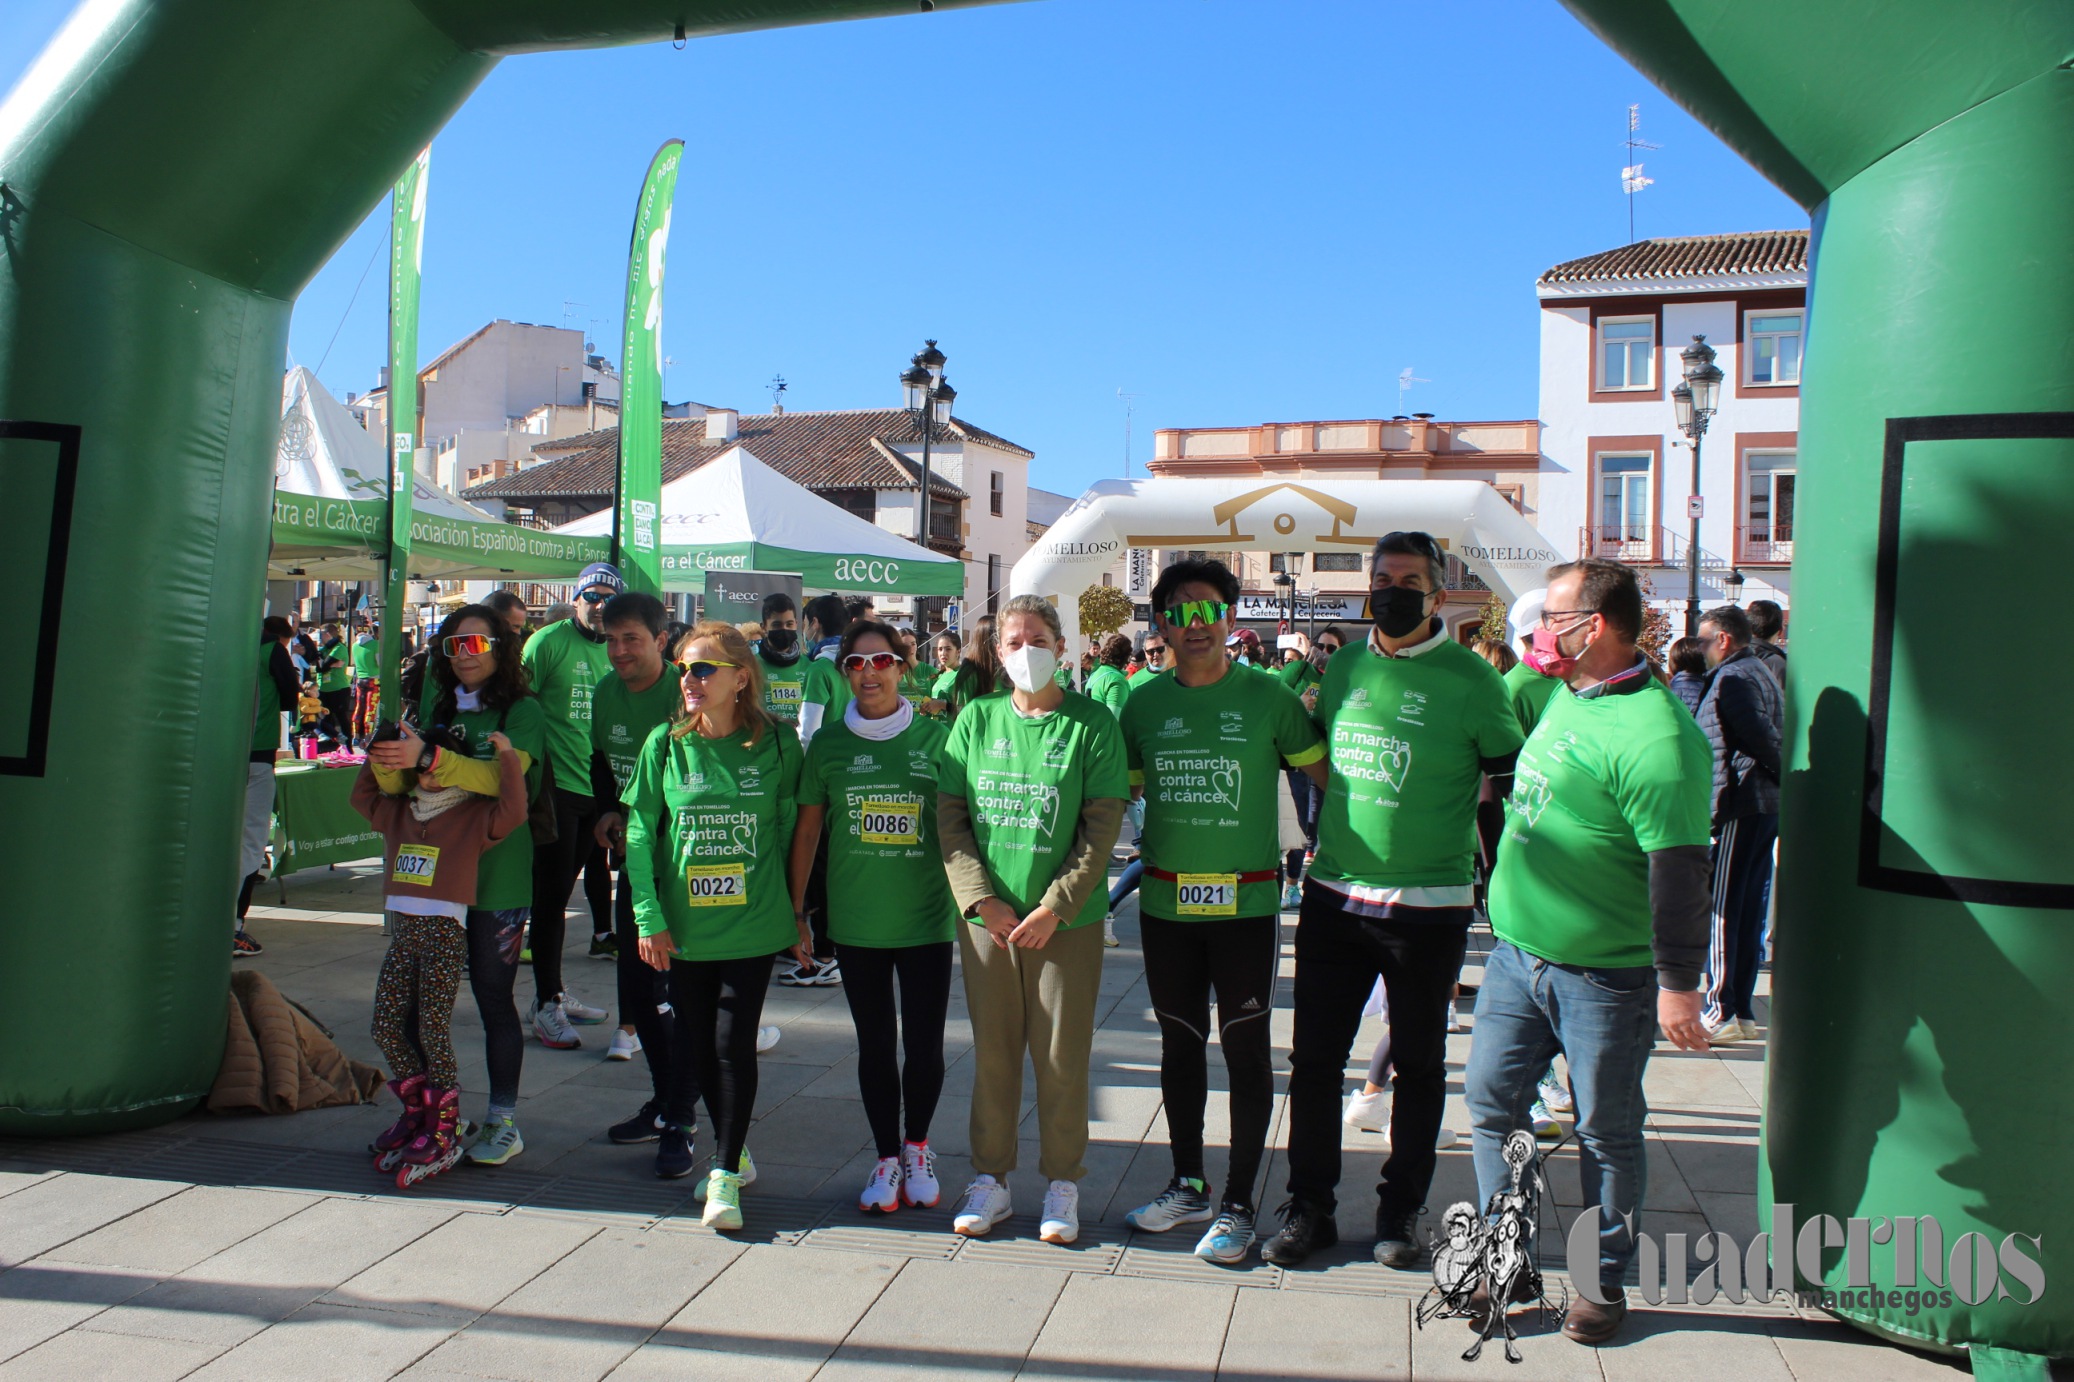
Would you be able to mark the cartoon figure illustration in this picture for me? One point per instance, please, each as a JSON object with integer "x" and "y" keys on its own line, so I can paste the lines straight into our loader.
{"x": 1495, "y": 1251}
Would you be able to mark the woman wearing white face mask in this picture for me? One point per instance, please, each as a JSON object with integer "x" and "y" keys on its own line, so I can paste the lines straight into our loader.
{"x": 1033, "y": 787}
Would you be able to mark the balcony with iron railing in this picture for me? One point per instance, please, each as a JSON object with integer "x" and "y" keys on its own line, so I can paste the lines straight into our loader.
{"x": 1651, "y": 544}
{"x": 1768, "y": 544}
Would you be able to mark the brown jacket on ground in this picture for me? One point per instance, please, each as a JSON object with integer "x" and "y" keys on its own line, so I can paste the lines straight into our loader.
{"x": 440, "y": 855}
{"x": 276, "y": 1060}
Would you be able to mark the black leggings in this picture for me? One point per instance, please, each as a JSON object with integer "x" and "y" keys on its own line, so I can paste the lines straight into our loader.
{"x": 494, "y": 940}
{"x": 556, "y": 867}
{"x": 713, "y": 1048}
{"x": 915, "y": 1023}
{"x": 1184, "y": 962}
{"x": 597, "y": 890}
{"x": 644, "y": 996}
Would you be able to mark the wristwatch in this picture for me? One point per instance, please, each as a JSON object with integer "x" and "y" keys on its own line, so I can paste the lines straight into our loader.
{"x": 428, "y": 757}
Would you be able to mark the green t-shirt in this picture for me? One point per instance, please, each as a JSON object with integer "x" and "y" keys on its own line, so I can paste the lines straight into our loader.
{"x": 940, "y": 688}
{"x": 1298, "y": 675}
{"x": 1107, "y": 686}
{"x": 1209, "y": 759}
{"x": 621, "y": 720}
{"x": 338, "y": 677}
{"x": 1141, "y": 676}
{"x": 1408, "y": 736}
{"x": 1530, "y": 692}
{"x": 826, "y": 687}
{"x": 709, "y": 828}
{"x": 566, "y": 667}
{"x": 1604, "y": 782}
{"x": 886, "y": 884}
{"x": 367, "y": 659}
{"x": 784, "y": 687}
{"x": 1026, "y": 780}
{"x": 504, "y": 879}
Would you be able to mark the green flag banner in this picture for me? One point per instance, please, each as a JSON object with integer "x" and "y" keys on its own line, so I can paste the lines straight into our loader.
{"x": 406, "y": 265}
{"x": 636, "y": 538}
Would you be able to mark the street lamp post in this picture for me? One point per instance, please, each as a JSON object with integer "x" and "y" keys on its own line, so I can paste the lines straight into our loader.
{"x": 928, "y": 396}
{"x": 1693, "y": 402}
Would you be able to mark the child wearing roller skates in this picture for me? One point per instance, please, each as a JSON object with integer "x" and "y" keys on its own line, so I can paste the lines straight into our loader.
{"x": 434, "y": 832}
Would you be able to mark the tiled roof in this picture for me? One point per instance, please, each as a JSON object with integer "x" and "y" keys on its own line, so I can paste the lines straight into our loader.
{"x": 851, "y": 449}
{"x": 1782, "y": 252}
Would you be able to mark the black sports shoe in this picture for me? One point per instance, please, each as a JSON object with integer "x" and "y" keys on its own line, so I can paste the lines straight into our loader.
{"x": 645, "y": 1126}
{"x": 1397, "y": 1236}
{"x": 1305, "y": 1229}
{"x": 673, "y": 1159}
{"x": 604, "y": 947}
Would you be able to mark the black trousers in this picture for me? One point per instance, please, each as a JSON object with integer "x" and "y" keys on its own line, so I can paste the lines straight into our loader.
{"x": 597, "y": 890}
{"x": 1184, "y": 962}
{"x": 494, "y": 939}
{"x": 718, "y": 1004}
{"x": 644, "y": 996}
{"x": 887, "y": 1026}
{"x": 555, "y": 870}
{"x": 1338, "y": 956}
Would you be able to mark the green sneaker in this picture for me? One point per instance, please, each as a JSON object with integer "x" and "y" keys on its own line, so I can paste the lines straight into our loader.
{"x": 498, "y": 1143}
{"x": 723, "y": 1201}
{"x": 745, "y": 1174}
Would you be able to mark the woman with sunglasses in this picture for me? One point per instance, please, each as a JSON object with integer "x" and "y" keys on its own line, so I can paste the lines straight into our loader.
{"x": 476, "y": 686}
{"x": 871, "y": 777}
{"x": 1031, "y": 800}
{"x": 710, "y": 813}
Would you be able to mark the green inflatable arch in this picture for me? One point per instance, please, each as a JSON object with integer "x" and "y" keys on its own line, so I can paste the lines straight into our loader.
{"x": 173, "y": 171}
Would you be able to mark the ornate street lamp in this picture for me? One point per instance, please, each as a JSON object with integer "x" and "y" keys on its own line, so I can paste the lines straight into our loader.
{"x": 1693, "y": 403}
{"x": 927, "y": 396}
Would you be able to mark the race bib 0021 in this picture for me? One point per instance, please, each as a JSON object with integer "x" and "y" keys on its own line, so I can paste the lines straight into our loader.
{"x": 1206, "y": 894}
{"x": 716, "y": 885}
{"x": 415, "y": 864}
{"x": 889, "y": 823}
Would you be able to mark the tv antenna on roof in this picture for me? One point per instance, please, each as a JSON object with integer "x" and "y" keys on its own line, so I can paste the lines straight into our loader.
{"x": 1405, "y": 379}
{"x": 1631, "y": 179}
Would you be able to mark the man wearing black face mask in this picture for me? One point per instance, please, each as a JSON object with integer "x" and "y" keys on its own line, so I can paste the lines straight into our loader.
{"x": 1413, "y": 721}
{"x": 784, "y": 670}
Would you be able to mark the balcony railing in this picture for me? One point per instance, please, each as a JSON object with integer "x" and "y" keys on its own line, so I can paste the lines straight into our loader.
{"x": 1634, "y": 543}
{"x": 1767, "y": 546}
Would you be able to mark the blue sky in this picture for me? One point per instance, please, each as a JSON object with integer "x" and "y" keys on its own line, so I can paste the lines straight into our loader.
{"x": 1240, "y": 210}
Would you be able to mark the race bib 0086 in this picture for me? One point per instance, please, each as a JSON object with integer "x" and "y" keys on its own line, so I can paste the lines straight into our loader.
{"x": 889, "y": 823}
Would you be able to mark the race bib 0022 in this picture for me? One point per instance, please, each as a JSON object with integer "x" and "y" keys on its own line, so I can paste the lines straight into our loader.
{"x": 415, "y": 864}
{"x": 1206, "y": 894}
{"x": 716, "y": 885}
{"x": 889, "y": 823}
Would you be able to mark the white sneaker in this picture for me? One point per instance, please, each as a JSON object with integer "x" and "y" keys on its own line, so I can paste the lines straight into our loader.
{"x": 1750, "y": 1032}
{"x": 497, "y": 1143}
{"x": 1109, "y": 932}
{"x": 983, "y": 1205}
{"x": 552, "y": 1027}
{"x": 1454, "y": 1019}
{"x": 1292, "y": 898}
{"x": 576, "y": 1010}
{"x": 882, "y": 1192}
{"x": 1556, "y": 1094}
{"x": 918, "y": 1176}
{"x": 1368, "y": 1111}
{"x": 625, "y": 1046}
{"x": 766, "y": 1037}
{"x": 1444, "y": 1140}
{"x": 745, "y": 1175}
{"x": 1182, "y": 1202}
{"x": 1061, "y": 1222}
{"x": 1727, "y": 1031}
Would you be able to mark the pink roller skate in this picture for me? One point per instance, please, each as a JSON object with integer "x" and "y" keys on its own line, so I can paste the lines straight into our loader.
{"x": 388, "y": 1146}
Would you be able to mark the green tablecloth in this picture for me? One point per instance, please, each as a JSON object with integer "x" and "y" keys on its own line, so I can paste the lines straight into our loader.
{"x": 318, "y": 825}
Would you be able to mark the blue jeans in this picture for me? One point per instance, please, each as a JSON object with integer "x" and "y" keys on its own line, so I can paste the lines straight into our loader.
{"x": 1126, "y": 883}
{"x": 1604, "y": 1021}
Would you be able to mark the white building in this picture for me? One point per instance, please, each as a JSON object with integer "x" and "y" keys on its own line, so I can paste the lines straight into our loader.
{"x": 1615, "y": 470}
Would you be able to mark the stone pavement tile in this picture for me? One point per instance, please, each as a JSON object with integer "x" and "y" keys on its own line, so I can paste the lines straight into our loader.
{"x": 1437, "y": 1349}
{"x": 1668, "y": 1188}
{"x": 585, "y": 1314}
{"x": 1735, "y": 1215}
{"x": 61, "y": 1208}
{"x": 328, "y": 1343}
{"x": 1315, "y": 1336}
{"x": 837, "y": 1081}
{"x": 75, "y": 1355}
{"x": 38, "y": 1302}
{"x": 779, "y": 1077}
{"x": 274, "y": 1273}
{"x": 762, "y": 1305}
{"x": 1109, "y": 1326}
{"x": 923, "y": 1324}
{"x": 463, "y": 1267}
{"x": 1706, "y": 1164}
{"x": 172, "y": 1235}
{"x": 1126, "y": 1113}
{"x": 806, "y": 1131}
{"x": 1830, "y": 1351}
{"x": 661, "y": 1363}
{"x": 1678, "y": 1078}
{"x": 1655, "y": 1344}
{"x": 11, "y": 1181}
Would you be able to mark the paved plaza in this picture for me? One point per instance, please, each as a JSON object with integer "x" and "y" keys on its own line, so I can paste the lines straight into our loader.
{"x": 267, "y": 1247}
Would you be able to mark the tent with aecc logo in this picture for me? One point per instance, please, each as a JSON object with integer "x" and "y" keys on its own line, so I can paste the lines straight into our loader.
{"x": 734, "y": 513}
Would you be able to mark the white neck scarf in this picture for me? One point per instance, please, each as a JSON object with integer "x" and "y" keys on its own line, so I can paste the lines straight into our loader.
{"x": 888, "y": 728}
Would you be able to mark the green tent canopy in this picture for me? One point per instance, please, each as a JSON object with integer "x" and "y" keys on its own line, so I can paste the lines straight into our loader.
{"x": 331, "y": 500}
{"x": 734, "y": 513}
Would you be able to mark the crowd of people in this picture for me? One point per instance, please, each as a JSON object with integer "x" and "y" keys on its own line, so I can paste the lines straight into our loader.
{"x": 822, "y": 799}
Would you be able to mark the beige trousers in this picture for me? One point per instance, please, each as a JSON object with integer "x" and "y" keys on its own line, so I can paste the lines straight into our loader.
{"x": 1041, "y": 1002}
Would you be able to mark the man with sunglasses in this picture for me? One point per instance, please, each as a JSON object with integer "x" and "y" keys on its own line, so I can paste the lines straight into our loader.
{"x": 1155, "y": 650}
{"x": 1205, "y": 747}
{"x": 565, "y": 662}
{"x": 1414, "y": 721}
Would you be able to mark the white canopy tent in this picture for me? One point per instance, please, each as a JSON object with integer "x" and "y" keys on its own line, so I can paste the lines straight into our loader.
{"x": 734, "y": 513}
{"x": 1255, "y": 513}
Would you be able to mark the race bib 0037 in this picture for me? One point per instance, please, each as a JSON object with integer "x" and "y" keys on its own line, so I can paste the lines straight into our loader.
{"x": 1206, "y": 894}
{"x": 716, "y": 885}
{"x": 889, "y": 823}
{"x": 416, "y": 864}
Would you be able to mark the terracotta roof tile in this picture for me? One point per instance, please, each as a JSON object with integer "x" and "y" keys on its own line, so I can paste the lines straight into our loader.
{"x": 1692, "y": 256}
{"x": 851, "y": 449}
